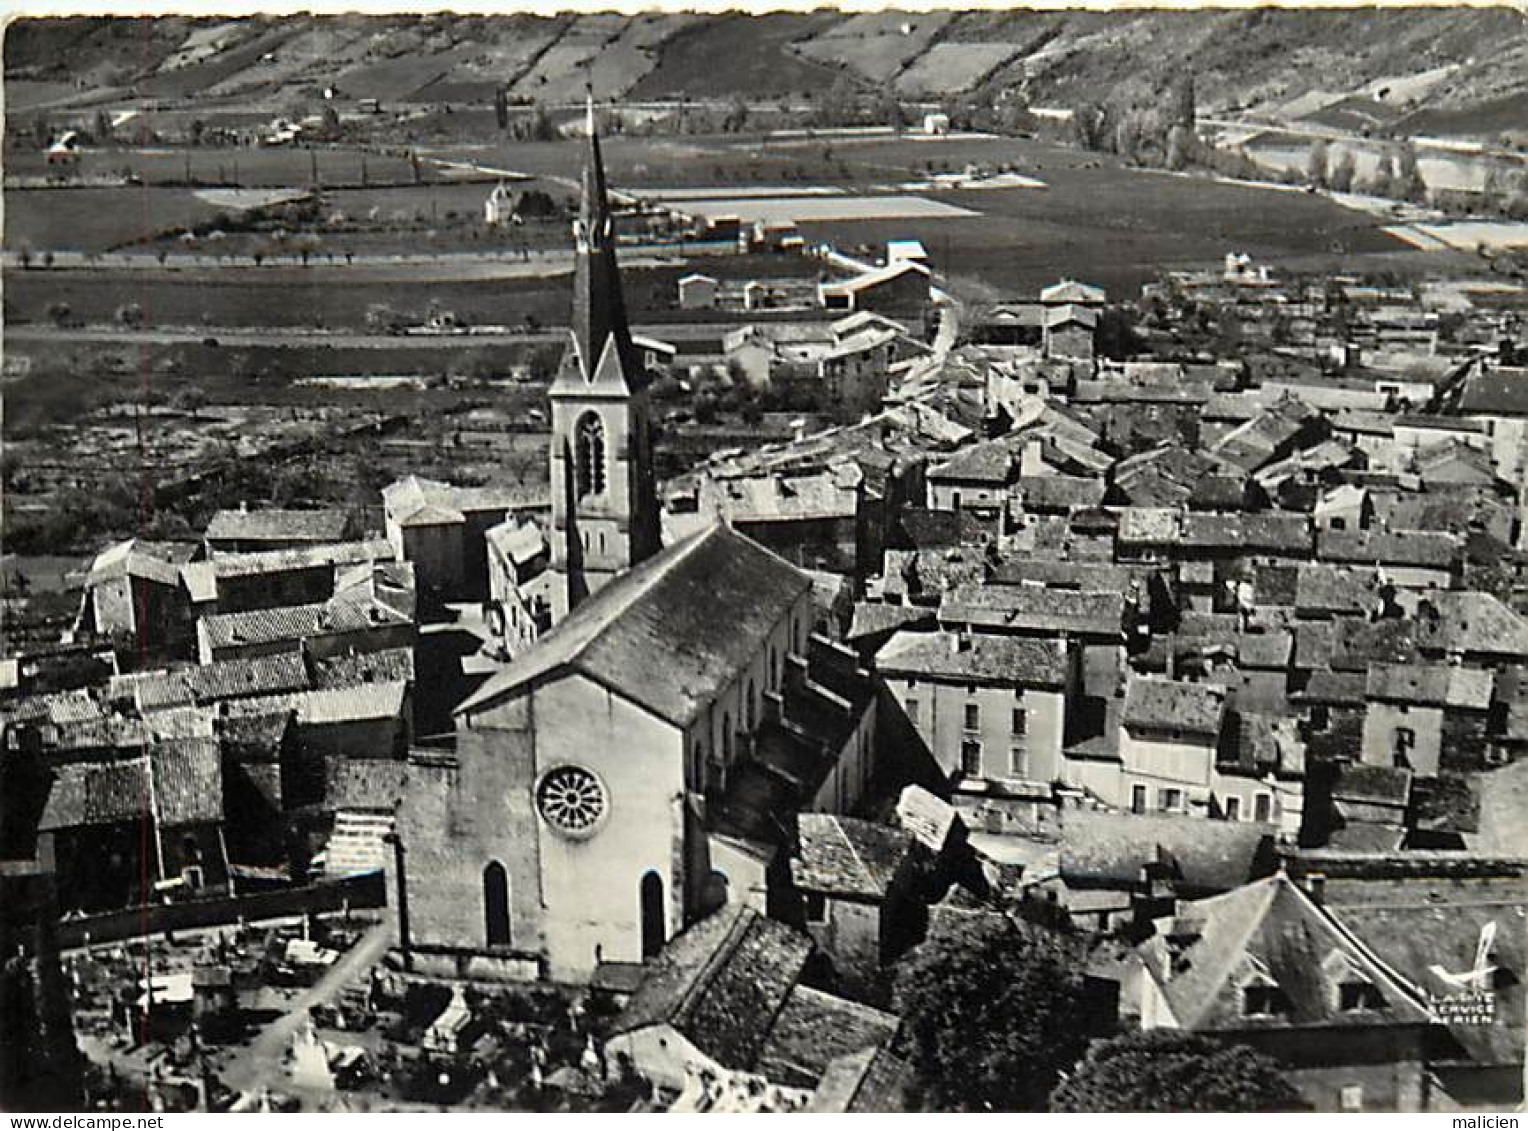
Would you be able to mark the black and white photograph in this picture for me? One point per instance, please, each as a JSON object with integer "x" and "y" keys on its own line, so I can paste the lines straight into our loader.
{"x": 642, "y": 559}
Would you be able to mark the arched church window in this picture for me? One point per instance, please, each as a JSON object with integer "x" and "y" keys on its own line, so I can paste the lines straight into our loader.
{"x": 589, "y": 455}
{"x": 572, "y": 800}
{"x": 496, "y": 904}
{"x": 654, "y": 929}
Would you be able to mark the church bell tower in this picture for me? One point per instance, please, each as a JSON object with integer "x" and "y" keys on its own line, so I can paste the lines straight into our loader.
{"x": 604, "y": 492}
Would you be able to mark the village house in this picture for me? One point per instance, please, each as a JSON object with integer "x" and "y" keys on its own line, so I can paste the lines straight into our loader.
{"x": 728, "y": 995}
{"x": 1414, "y": 713}
{"x": 1265, "y": 966}
{"x": 986, "y": 707}
{"x": 440, "y": 528}
{"x": 857, "y": 891}
{"x": 897, "y": 290}
{"x": 245, "y": 530}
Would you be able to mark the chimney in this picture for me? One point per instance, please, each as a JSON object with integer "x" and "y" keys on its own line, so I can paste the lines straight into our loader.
{"x": 1315, "y": 887}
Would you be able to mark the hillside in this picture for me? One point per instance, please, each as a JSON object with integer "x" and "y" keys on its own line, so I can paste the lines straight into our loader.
{"x": 1461, "y": 71}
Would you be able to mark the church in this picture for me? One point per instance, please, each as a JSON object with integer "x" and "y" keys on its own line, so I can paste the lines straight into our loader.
{"x": 642, "y": 764}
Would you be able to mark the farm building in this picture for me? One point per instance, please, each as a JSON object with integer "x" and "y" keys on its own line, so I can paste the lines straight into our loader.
{"x": 906, "y": 251}
{"x": 1069, "y": 331}
{"x": 936, "y": 125}
{"x": 1069, "y": 292}
{"x": 896, "y": 290}
{"x": 697, "y": 292}
{"x": 66, "y": 150}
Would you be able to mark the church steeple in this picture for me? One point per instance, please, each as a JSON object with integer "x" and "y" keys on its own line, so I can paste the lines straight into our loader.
{"x": 604, "y": 491}
{"x": 599, "y": 308}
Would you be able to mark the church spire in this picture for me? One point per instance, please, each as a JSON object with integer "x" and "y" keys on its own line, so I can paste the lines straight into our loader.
{"x": 599, "y": 309}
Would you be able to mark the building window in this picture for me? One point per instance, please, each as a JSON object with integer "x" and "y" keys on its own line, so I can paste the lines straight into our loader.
{"x": 572, "y": 800}
{"x": 1405, "y": 741}
{"x": 973, "y": 716}
{"x": 816, "y": 907}
{"x": 1018, "y": 762}
{"x": 496, "y": 905}
{"x": 912, "y": 711}
{"x": 1262, "y": 808}
{"x": 1020, "y": 722}
{"x": 971, "y": 758}
{"x": 1262, "y": 999}
{"x": 654, "y": 915}
{"x": 1233, "y": 808}
{"x": 1138, "y": 799}
{"x": 1352, "y": 1097}
{"x": 589, "y": 455}
{"x": 1170, "y": 800}
{"x": 1358, "y": 994}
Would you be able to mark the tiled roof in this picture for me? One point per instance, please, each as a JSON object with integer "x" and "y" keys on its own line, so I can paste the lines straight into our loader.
{"x": 1383, "y": 785}
{"x": 1170, "y": 705}
{"x": 222, "y": 679}
{"x": 847, "y": 856}
{"x": 386, "y": 665}
{"x": 1396, "y": 548}
{"x": 871, "y": 1080}
{"x": 332, "y": 705}
{"x": 416, "y": 501}
{"x": 84, "y": 794}
{"x": 188, "y": 781}
{"x": 256, "y": 563}
{"x": 1059, "y": 491}
{"x": 1499, "y": 391}
{"x": 1032, "y": 608}
{"x": 1470, "y": 623}
{"x": 155, "y": 561}
{"x": 272, "y": 525}
{"x": 813, "y": 1029}
{"x": 298, "y": 622}
{"x": 993, "y": 461}
{"x": 874, "y": 618}
{"x": 670, "y": 633}
{"x": 1325, "y": 588}
{"x": 364, "y": 783}
{"x": 1269, "y": 934}
{"x": 1430, "y": 685}
{"x": 1000, "y": 660}
{"x": 1101, "y": 849}
{"x": 721, "y": 984}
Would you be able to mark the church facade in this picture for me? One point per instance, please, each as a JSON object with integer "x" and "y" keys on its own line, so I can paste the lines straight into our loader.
{"x": 629, "y": 772}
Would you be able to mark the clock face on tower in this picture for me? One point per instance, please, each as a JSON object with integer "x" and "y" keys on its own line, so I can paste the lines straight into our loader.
{"x": 572, "y": 800}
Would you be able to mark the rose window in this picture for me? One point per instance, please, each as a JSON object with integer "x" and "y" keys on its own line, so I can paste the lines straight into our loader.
{"x": 571, "y": 799}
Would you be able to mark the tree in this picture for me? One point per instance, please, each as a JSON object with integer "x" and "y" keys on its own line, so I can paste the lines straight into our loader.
{"x": 1383, "y": 183}
{"x": 736, "y": 119}
{"x": 1170, "y": 1070}
{"x": 1181, "y": 147}
{"x": 992, "y": 1016}
{"x": 1342, "y": 172}
{"x": 189, "y": 399}
{"x": 58, "y": 312}
{"x": 1409, "y": 184}
{"x": 501, "y": 108}
{"x": 1316, "y": 166}
{"x": 1185, "y": 109}
{"x": 1091, "y": 125}
{"x": 130, "y": 315}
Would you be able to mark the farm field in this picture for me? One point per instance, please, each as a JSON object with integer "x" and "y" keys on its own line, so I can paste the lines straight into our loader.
{"x": 275, "y": 167}
{"x": 877, "y": 45}
{"x": 97, "y": 219}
